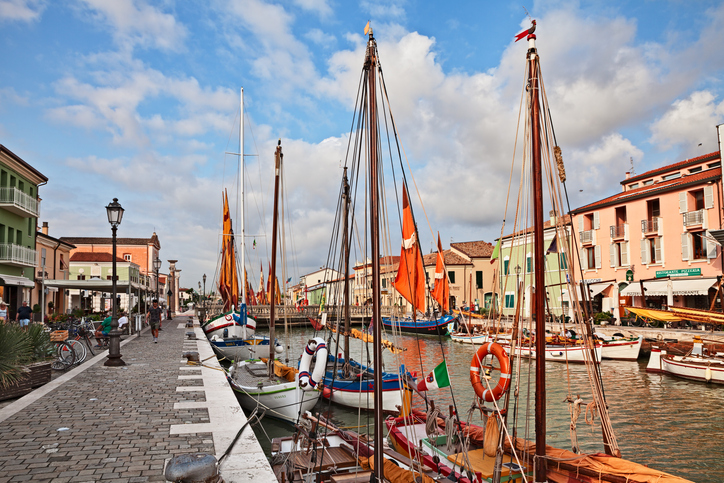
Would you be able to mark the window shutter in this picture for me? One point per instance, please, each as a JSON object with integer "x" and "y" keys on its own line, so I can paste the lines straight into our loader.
{"x": 708, "y": 196}
{"x": 580, "y": 223}
{"x": 710, "y": 247}
{"x": 596, "y": 221}
{"x": 612, "y": 254}
{"x": 624, "y": 254}
{"x": 644, "y": 252}
{"x": 598, "y": 256}
{"x": 584, "y": 259}
{"x": 682, "y": 202}
{"x": 660, "y": 247}
{"x": 625, "y": 231}
{"x": 657, "y": 248}
{"x": 684, "y": 246}
{"x": 593, "y": 237}
{"x": 660, "y": 226}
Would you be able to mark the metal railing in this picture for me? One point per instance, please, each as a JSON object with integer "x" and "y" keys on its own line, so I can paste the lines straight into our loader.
{"x": 587, "y": 236}
{"x": 650, "y": 226}
{"x": 692, "y": 218}
{"x": 17, "y": 255}
{"x": 618, "y": 231}
{"x": 22, "y": 201}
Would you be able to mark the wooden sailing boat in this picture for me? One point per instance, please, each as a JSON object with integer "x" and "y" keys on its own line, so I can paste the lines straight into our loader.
{"x": 504, "y": 438}
{"x": 268, "y": 384}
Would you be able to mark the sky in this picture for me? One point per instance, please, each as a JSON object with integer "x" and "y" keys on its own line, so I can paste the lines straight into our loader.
{"x": 139, "y": 100}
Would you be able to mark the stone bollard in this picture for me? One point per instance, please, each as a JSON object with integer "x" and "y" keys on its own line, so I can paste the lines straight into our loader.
{"x": 191, "y": 335}
{"x": 192, "y": 357}
{"x": 193, "y": 468}
{"x": 189, "y": 323}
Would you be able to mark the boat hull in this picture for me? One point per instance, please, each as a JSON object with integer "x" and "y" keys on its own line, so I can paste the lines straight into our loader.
{"x": 626, "y": 349}
{"x": 241, "y": 349}
{"x": 470, "y": 338}
{"x": 358, "y": 392}
{"x": 421, "y": 326}
{"x": 576, "y": 354}
{"x": 694, "y": 368}
{"x": 225, "y": 326}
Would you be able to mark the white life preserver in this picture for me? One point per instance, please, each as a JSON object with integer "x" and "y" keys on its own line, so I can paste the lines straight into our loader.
{"x": 307, "y": 381}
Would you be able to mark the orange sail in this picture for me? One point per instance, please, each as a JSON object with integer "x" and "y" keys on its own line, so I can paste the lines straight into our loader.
{"x": 441, "y": 292}
{"x": 228, "y": 278}
{"x": 261, "y": 295}
{"x": 410, "y": 280}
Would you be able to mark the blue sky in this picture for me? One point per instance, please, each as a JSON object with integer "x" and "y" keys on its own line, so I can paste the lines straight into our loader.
{"x": 139, "y": 100}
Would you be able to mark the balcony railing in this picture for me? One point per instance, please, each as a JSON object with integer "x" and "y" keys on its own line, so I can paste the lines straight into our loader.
{"x": 587, "y": 236}
{"x": 12, "y": 254}
{"x": 618, "y": 231}
{"x": 693, "y": 218}
{"x": 650, "y": 226}
{"x": 14, "y": 200}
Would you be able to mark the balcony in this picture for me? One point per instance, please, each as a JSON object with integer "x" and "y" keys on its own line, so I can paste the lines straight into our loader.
{"x": 587, "y": 236}
{"x": 650, "y": 227}
{"x": 618, "y": 231}
{"x": 15, "y": 201}
{"x": 693, "y": 218}
{"x": 11, "y": 254}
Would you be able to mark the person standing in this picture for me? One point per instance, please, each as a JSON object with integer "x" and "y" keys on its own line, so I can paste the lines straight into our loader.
{"x": 23, "y": 315}
{"x": 153, "y": 317}
{"x": 3, "y": 312}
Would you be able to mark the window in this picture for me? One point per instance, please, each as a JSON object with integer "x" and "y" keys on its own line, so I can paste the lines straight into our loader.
{"x": 591, "y": 258}
{"x": 619, "y": 254}
{"x": 510, "y": 300}
{"x": 451, "y": 276}
{"x": 127, "y": 257}
{"x": 528, "y": 264}
{"x": 654, "y": 246}
{"x": 562, "y": 262}
{"x": 648, "y": 182}
{"x": 653, "y": 209}
{"x": 81, "y": 277}
{"x": 506, "y": 267}
{"x": 479, "y": 279}
{"x": 712, "y": 165}
{"x": 63, "y": 266}
{"x": 695, "y": 170}
{"x": 696, "y": 198}
{"x": 384, "y": 282}
{"x": 698, "y": 246}
{"x": 19, "y": 237}
{"x": 671, "y": 176}
{"x": 621, "y": 215}
{"x": 633, "y": 185}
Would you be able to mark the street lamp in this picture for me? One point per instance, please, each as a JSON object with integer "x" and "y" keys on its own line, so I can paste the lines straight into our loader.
{"x": 115, "y": 214}
{"x": 168, "y": 303}
{"x": 156, "y": 268}
{"x": 204, "y": 277}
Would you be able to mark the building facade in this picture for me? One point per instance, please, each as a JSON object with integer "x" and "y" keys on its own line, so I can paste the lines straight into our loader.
{"x": 19, "y": 211}
{"x": 99, "y": 266}
{"x": 479, "y": 285}
{"x": 53, "y": 262}
{"x": 655, "y": 233}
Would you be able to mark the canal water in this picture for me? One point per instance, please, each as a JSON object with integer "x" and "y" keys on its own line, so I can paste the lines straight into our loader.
{"x": 660, "y": 421}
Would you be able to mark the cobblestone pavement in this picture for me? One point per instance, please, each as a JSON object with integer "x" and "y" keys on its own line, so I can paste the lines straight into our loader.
{"x": 109, "y": 424}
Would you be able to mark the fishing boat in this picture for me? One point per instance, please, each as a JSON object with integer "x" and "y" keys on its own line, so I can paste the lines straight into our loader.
{"x": 511, "y": 448}
{"x": 269, "y": 384}
{"x": 698, "y": 365}
{"x": 620, "y": 347}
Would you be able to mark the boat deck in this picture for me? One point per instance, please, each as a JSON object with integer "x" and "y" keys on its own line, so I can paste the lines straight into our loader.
{"x": 255, "y": 374}
{"x": 320, "y": 460}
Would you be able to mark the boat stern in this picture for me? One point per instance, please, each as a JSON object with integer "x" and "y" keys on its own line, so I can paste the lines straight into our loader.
{"x": 654, "y": 364}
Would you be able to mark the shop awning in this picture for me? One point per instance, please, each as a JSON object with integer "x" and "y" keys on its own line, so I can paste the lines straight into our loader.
{"x": 13, "y": 280}
{"x": 93, "y": 284}
{"x": 593, "y": 289}
{"x": 660, "y": 288}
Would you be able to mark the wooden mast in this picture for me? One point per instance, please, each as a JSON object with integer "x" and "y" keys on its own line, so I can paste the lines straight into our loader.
{"x": 345, "y": 247}
{"x": 371, "y": 68}
{"x": 272, "y": 291}
{"x": 539, "y": 264}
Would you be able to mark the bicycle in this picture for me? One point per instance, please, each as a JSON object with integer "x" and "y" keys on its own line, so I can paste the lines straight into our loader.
{"x": 64, "y": 353}
{"x": 75, "y": 332}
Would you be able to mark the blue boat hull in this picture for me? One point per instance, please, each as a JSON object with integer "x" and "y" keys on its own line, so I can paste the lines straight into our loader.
{"x": 421, "y": 326}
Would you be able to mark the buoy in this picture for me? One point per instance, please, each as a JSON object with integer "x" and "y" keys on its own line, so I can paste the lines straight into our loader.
{"x": 326, "y": 392}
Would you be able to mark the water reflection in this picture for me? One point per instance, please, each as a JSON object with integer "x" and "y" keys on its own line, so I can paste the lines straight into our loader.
{"x": 666, "y": 423}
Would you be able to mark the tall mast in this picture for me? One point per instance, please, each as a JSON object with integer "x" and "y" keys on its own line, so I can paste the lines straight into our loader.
{"x": 371, "y": 67}
{"x": 275, "y": 214}
{"x": 345, "y": 247}
{"x": 539, "y": 265}
{"x": 241, "y": 190}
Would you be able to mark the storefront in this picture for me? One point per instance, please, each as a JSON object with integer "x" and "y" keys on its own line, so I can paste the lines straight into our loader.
{"x": 673, "y": 292}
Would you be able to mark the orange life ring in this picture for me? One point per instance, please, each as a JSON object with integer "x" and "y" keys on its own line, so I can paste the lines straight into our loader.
{"x": 491, "y": 348}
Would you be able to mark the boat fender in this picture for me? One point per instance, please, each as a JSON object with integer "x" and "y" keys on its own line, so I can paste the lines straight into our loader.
{"x": 308, "y": 381}
{"x": 497, "y": 351}
{"x": 326, "y": 392}
{"x": 707, "y": 374}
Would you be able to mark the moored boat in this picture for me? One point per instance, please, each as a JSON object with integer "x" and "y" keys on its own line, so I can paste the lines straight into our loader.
{"x": 698, "y": 365}
{"x": 620, "y": 347}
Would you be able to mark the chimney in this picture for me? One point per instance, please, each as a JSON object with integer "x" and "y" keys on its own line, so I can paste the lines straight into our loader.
{"x": 45, "y": 228}
{"x": 628, "y": 174}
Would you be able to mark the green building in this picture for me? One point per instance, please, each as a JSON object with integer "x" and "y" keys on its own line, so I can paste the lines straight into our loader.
{"x": 19, "y": 210}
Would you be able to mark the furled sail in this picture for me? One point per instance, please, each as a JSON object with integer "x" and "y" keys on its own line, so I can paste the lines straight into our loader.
{"x": 228, "y": 278}
{"x": 441, "y": 292}
{"x": 410, "y": 280}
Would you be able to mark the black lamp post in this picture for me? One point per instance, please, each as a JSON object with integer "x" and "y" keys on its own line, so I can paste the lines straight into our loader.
{"x": 115, "y": 214}
{"x": 204, "y": 278}
{"x": 168, "y": 303}
{"x": 156, "y": 268}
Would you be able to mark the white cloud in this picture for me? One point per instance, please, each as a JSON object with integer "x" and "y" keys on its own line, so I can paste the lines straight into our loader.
{"x": 321, "y": 7}
{"x": 320, "y": 38}
{"x": 384, "y": 8}
{"x": 137, "y": 23}
{"x": 689, "y": 122}
{"x": 21, "y": 10}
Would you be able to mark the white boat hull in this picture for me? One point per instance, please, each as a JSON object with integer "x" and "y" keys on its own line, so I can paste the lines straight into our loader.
{"x": 365, "y": 400}
{"x": 626, "y": 349}
{"x": 280, "y": 401}
{"x": 241, "y": 349}
{"x": 577, "y": 353}
{"x": 695, "y": 368}
{"x": 469, "y": 338}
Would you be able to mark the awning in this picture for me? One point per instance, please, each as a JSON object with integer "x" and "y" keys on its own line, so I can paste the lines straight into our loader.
{"x": 13, "y": 280}
{"x": 660, "y": 288}
{"x": 93, "y": 284}
{"x": 593, "y": 289}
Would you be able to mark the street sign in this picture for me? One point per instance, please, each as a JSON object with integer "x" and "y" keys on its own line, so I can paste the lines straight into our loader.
{"x": 682, "y": 272}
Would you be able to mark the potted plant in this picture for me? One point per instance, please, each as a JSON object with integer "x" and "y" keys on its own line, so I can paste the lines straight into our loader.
{"x": 24, "y": 359}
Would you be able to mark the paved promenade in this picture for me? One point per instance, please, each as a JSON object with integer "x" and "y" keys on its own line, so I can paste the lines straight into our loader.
{"x": 98, "y": 423}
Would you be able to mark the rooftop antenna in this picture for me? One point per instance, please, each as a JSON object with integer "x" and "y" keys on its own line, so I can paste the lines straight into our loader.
{"x": 632, "y": 166}
{"x": 526, "y": 13}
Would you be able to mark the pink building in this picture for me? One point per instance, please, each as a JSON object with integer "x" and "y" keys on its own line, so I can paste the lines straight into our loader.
{"x": 655, "y": 231}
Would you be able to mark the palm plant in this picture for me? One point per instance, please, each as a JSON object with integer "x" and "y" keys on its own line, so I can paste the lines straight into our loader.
{"x": 14, "y": 349}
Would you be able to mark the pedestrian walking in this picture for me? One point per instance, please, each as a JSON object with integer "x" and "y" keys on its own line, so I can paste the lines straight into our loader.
{"x": 23, "y": 315}
{"x": 153, "y": 317}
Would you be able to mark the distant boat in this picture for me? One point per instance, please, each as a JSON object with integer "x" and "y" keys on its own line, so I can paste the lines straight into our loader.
{"x": 698, "y": 365}
{"x": 620, "y": 347}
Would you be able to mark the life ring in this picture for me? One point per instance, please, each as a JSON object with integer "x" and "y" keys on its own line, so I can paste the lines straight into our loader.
{"x": 309, "y": 381}
{"x": 491, "y": 348}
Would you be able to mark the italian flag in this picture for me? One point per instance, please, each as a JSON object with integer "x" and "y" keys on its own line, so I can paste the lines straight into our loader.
{"x": 436, "y": 379}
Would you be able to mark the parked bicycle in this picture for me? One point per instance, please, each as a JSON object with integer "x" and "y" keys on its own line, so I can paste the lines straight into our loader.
{"x": 64, "y": 352}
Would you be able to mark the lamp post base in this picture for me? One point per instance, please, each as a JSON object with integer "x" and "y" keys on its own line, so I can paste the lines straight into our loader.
{"x": 114, "y": 349}
{"x": 114, "y": 361}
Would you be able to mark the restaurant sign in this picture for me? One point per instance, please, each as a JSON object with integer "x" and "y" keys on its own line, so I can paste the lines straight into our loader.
{"x": 682, "y": 272}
